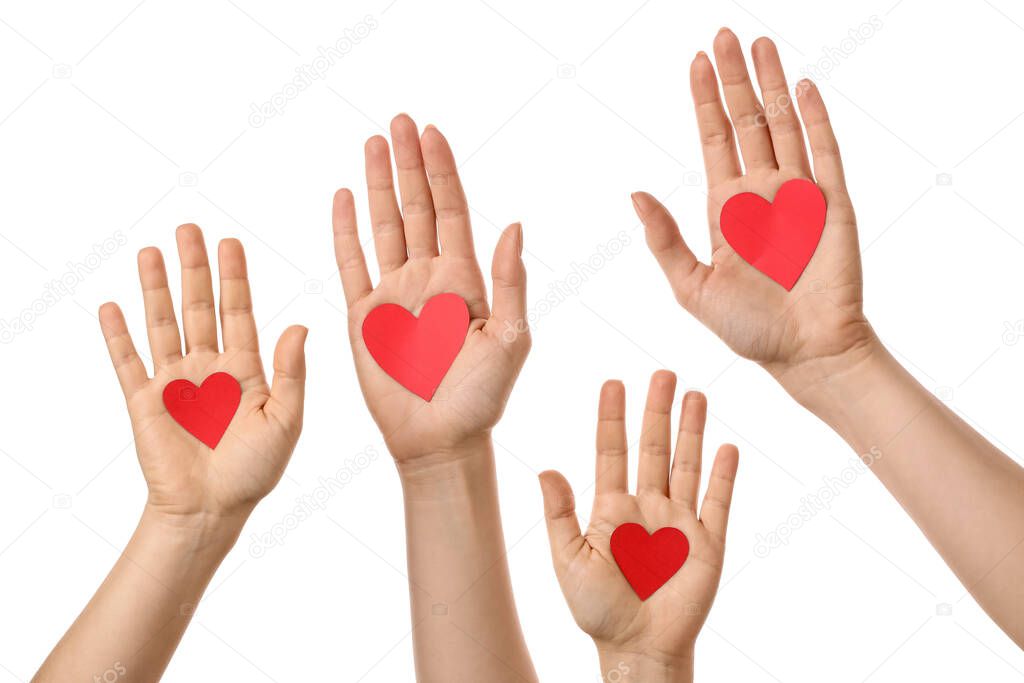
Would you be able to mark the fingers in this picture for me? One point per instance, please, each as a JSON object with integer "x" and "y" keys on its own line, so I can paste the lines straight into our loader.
{"x": 784, "y": 128}
{"x": 385, "y": 218}
{"x": 612, "y": 476}
{"x": 685, "y": 273}
{"x": 684, "y": 482}
{"x": 417, "y": 202}
{"x": 744, "y": 108}
{"x": 560, "y": 516}
{"x": 509, "y": 284}
{"x": 131, "y": 373}
{"x": 714, "y": 511}
{"x": 198, "y": 313}
{"x": 238, "y": 326}
{"x": 656, "y": 435}
{"x": 717, "y": 142}
{"x": 348, "y": 251}
{"x": 161, "y": 325}
{"x": 828, "y": 165}
{"x": 453, "y": 228}
{"x": 289, "y": 383}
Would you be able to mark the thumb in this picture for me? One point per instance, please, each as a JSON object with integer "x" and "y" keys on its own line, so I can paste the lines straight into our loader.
{"x": 560, "y": 515}
{"x": 684, "y": 272}
{"x": 289, "y": 383}
{"x": 509, "y": 283}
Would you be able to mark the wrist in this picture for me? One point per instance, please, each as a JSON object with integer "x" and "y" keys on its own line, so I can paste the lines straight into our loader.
{"x": 205, "y": 536}
{"x": 815, "y": 382}
{"x": 451, "y": 471}
{"x": 624, "y": 666}
{"x": 868, "y": 389}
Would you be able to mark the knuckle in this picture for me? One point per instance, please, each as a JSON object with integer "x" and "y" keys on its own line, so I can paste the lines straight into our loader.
{"x": 162, "y": 320}
{"x": 657, "y": 450}
{"x": 387, "y": 227}
{"x": 716, "y": 138}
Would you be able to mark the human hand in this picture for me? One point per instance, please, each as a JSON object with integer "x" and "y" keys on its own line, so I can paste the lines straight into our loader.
{"x": 819, "y": 327}
{"x": 655, "y": 636}
{"x": 424, "y": 250}
{"x": 190, "y": 484}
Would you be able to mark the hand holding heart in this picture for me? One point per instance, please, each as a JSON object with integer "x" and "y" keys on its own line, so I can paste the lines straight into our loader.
{"x": 427, "y": 263}
{"x": 417, "y": 351}
{"x": 633, "y": 592}
{"x": 254, "y": 427}
{"x": 817, "y": 326}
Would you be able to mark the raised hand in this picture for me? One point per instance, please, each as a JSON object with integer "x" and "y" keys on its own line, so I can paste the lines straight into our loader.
{"x": 443, "y": 450}
{"x": 654, "y": 638}
{"x": 818, "y": 327}
{"x": 199, "y": 498}
{"x": 187, "y": 479}
{"x": 815, "y": 339}
{"x": 424, "y": 249}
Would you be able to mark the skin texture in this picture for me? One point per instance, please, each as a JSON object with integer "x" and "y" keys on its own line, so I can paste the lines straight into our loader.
{"x": 964, "y": 494}
{"x": 464, "y": 616}
{"x": 651, "y": 640}
{"x": 199, "y": 498}
{"x": 821, "y": 318}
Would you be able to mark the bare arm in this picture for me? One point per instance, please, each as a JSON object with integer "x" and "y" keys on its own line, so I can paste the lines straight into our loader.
{"x": 459, "y": 584}
{"x": 465, "y": 625}
{"x": 199, "y": 497}
{"x": 966, "y": 495}
{"x": 135, "y": 620}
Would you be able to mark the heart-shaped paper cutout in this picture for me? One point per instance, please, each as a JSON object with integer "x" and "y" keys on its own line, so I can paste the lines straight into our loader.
{"x": 648, "y": 560}
{"x": 778, "y": 237}
{"x": 204, "y": 411}
{"x": 417, "y": 352}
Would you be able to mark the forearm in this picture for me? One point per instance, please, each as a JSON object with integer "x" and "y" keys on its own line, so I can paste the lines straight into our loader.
{"x": 634, "y": 667}
{"x": 464, "y": 615}
{"x": 965, "y": 494}
{"x": 135, "y": 620}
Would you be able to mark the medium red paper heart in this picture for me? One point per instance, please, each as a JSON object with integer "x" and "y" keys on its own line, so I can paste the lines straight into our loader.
{"x": 778, "y": 237}
{"x": 417, "y": 352}
{"x": 204, "y": 411}
{"x": 648, "y": 560}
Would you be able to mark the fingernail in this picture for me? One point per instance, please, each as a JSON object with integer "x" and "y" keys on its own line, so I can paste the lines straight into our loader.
{"x": 636, "y": 204}
{"x": 517, "y": 235}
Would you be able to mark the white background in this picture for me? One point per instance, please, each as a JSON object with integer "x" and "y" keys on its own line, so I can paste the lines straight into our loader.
{"x": 135, "y": 118}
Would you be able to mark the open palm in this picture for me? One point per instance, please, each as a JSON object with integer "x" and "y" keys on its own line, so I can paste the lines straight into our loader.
{"x": 184, "y": 476}
{"x": 604, "y": 605}
{"x": 425, "y": 249}
{"x": 822, "y": 317}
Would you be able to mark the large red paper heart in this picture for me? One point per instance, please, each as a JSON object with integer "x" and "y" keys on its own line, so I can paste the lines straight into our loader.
{"x": 204, "y": 411}
{"x": 417, "y": 352}
{"x": 778, "y": 237}
{"x": 648, "y": 560}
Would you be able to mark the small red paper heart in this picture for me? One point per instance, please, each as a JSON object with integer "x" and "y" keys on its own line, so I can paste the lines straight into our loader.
{"x": 204, "y": 411}
{"x": 417, "y": 352}
{"x": 648, "y": 560}
{"x": 778, "y": 237}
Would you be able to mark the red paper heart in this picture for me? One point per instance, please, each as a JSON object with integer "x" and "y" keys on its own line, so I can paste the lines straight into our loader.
{"x": 204, "y": 411}
{"x": 778, "y": 237}
{"x": 648, "y": 560}
{"x": 417, "y": 352}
